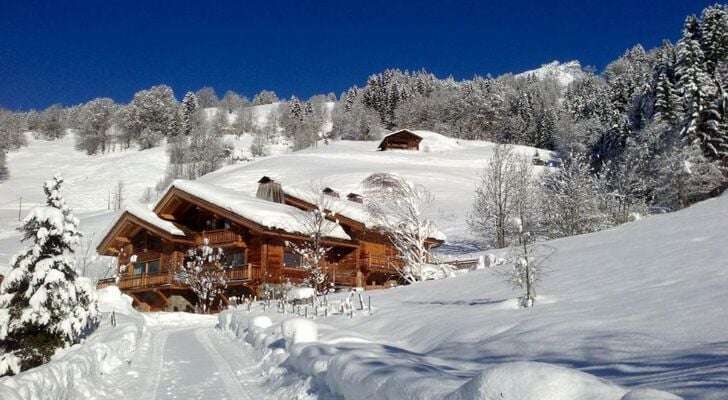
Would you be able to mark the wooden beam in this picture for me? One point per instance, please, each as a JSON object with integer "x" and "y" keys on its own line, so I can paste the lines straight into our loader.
{"x": 162, "y": 296}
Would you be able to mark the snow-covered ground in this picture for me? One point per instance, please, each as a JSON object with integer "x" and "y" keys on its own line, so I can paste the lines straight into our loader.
{"x": 640, "y": 305}
{"x": 637, "y": 306}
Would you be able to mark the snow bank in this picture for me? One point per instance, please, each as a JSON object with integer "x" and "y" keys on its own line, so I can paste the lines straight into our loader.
{"x": 298, "y": 330}
{"x": 359, "y": 369}
{"x": 79, "y": 372}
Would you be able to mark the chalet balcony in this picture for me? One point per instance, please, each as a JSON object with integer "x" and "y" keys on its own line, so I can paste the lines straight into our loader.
{"x": 250, "y": 273}
{"x": 218, "y": 237}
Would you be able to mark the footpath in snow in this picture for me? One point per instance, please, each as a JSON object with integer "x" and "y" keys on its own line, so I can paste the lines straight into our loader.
{"x": 145, "y": 357}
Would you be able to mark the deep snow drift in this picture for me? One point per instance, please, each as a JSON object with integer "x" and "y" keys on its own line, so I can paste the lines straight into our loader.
{"x": 640, "y": 305}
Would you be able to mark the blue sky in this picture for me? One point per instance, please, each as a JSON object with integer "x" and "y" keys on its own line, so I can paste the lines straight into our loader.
{"x": 73, "y": 51}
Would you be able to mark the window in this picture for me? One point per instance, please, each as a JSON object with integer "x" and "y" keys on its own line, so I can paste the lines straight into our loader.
{"x": 146, "y": 267}
{"x": 138, "y": 268}
{"x": 235, "y": 259}
{"x": 291, "y": 260}
{"x": 153, "y": 267}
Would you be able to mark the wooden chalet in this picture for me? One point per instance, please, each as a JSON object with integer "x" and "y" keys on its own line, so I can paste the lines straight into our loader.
{"x": 253, "y": 232}
{"x": 401, "y": 140}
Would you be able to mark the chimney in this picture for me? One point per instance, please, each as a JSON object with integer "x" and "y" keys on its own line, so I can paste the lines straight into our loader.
{"x": 355, "y": 198}
{"x": 270, "y": 190}
{"x": 330, "y": 192}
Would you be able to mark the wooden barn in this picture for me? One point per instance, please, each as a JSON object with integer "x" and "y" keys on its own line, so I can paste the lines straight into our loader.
{"x": 254, "y": 233}
{"x": 401, "y": 140}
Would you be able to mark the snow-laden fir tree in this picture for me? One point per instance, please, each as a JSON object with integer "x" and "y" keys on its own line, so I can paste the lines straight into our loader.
{"x": 191, "y": 115}
{"x": 693, "y": 80}
{"x": 3, "y": 168}
{"x": 714, "y": 35}
{"x": 44, "y": 305}
{"x": 397, "y": 209}
{"x": 714, "y": 132}
{"x": 668, "y": 104}
{"x": 203, "y": 270}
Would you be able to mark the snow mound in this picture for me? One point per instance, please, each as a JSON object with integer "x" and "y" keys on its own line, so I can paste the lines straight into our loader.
{"x": 298, "y": 330}
{"x": 536, "y": 381}
{"x": 435, "y": 142}
{"x": 111, "y": 299}
{"x": 260, "y": 321}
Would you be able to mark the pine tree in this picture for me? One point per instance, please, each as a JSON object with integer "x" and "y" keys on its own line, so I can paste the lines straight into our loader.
{"x": 3, "y": 168}
{"x": 191, "y": 116}
{"x": 694, "y": 82}
{"x": 713, "y": 134}
{"x": 668, "y": 107}
{"x": 44, "y": 306}
{"x": 714, "y": 35}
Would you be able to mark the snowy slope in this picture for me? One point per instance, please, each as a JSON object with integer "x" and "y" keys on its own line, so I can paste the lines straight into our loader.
{"x": 641, "y": 305}
{"x": 564, "y": 73}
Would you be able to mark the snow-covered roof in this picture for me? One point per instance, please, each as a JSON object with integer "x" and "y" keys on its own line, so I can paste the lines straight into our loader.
{"x": 268, "y": 214}
{"x": 142, "y": 212}
{"x": 431, "y": 141}
{"x": 346, "y": 208}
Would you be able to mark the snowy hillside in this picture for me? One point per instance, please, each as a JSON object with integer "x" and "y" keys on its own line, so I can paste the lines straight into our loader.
{"x": 564, "y": 73}
{"x": 448, "y": 168}
{"x": 641, "y": 305}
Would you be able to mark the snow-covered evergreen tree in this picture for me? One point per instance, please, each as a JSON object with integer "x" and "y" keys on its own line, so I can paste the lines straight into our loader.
{"x": 3, "y": 167}
{"x": 44, "y": 305}
{"x": 694, "y": 81}
{"x": 191, "y": 114}
{"x": 713, "y": 134}
{"x": 714, "y": 35}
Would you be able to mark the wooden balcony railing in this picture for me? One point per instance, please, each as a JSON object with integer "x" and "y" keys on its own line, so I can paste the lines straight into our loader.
{"x": 219, "y": 236}
{"x": 250, "y": 272}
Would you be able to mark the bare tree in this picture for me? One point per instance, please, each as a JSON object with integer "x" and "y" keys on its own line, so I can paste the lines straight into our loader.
{"x": 119, "y": 195}
{"x": 203, "y": 270}
{"x": 493, "y": 205}
{"x": 528, "y": 258}
{"x": 397, "y": 208}
{"x": 316, "y": 225}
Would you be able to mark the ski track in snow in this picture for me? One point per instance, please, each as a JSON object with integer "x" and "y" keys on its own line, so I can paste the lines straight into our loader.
{"x": 193, "y": 361}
